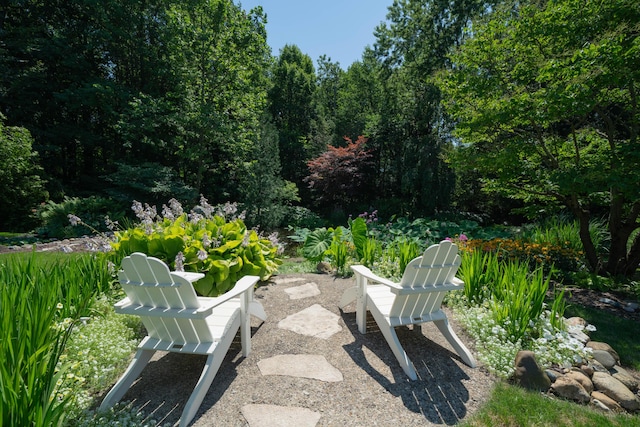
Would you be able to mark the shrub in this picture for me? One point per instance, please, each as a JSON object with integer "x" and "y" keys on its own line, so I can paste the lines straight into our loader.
{"x": 148, "y": 181}
{"x": 96, "y": 354}
{"x": 93, "y": 211}
{"x": 201, "y": 241}
{"x": 22, "y": 187}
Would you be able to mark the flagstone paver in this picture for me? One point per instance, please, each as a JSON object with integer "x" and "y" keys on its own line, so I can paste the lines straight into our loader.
{"x": 303, "y": 291}
{"x": 315, "y": 321}
{"x": 312, "y": 366}
{"x": 287, "y": 280}
{"x": 279, "y": 416}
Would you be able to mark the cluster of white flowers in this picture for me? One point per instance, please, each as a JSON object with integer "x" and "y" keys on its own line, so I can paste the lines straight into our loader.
{"x": 558, "y": 347}
{"x": 493, "y": 345}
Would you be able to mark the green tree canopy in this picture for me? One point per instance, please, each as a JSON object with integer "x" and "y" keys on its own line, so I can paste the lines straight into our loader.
{"x": 545, "y": 98}
{"x": 22, "y": 187}
{"x": 291, "y": 107}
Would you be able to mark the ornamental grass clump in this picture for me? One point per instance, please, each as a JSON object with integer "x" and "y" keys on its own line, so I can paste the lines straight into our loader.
{"x": 212, "y": 241}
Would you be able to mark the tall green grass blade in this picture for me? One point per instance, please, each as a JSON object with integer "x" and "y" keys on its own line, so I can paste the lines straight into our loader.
{"x": 39, "y": 302}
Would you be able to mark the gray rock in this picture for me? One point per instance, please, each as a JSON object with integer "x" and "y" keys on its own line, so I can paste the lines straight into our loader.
{"x": 603, "y": 401}
{"x": 279, "y": 416}
{"x": 610, "y": 302}
{"x": 529, "y": 374}
{"x": 625, "y": 378}
{"x": 313, "y": 366}
{"x": 575, "y": 321}
{"x": 599, "y": 405}
{"x": 597, "y": 345}
{"x": 580, "y": 336}
{"x": 605, "y": 358}
{"x": 324, "y": 268}
{"x": 587, "y": 370}
{"x": 616, "y": 390}
{"x": 597, "y": 366}
{"x": 552, "y": 374}
{"x": 568, "y": 388}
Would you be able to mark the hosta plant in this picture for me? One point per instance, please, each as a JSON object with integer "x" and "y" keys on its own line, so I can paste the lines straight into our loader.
{"x": 212, "y": 242}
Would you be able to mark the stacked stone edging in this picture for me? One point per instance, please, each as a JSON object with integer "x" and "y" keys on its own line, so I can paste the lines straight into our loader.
{"x": 600, "y": 381}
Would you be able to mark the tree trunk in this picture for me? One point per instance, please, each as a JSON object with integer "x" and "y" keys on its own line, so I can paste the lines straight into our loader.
{"x": 620, "y": 261}
{"x": 584, "y": 217}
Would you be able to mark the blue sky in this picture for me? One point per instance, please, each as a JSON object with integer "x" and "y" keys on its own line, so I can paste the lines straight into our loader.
{"x": 340, "y": 29}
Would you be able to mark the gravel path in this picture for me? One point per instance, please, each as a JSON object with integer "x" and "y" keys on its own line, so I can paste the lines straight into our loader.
{"x": 374, "y": 390}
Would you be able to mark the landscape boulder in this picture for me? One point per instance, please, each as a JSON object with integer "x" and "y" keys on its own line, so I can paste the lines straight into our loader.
{"x": 568, "y": 388}
{"x": 528, "y": 373}
{"x": 616, "y": 390}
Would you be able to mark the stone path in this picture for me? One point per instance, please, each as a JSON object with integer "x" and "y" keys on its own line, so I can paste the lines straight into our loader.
{"x": 314, "y": 321}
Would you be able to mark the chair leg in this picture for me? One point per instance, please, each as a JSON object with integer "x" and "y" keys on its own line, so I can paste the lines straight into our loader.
{"x": 348, "y": 296}
{"x": 462, "y": 350}
{"x": 390, "y": 335}
{"x": 214, "y": 360}
{"x": 204, "y": 382}
{"x": 256, "y": 309}
{"x": 134, "y": 370}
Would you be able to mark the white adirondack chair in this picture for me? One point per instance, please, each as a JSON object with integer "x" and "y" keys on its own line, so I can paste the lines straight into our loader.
{"x": 179, "y": 321}
{"x": 415, "y": 300}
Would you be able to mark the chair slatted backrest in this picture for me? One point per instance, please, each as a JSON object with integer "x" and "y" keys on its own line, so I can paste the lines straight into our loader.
{"x": 427, "y": 279}
{"x": 148, "y": 283}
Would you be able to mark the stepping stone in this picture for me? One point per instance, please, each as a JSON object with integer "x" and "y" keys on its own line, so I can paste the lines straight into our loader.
{"x": 303, "y": 291}
{"x": 315, "y": 321}
{"x": 300, "y": 365}
{"x": 287, "y": 280}
{"x": 279, "y": 416}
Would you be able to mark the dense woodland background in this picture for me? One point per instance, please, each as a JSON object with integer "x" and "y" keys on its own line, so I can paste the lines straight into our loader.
{"x": 496, "y": 110}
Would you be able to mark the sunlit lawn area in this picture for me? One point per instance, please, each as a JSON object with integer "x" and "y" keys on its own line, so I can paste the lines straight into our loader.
{"x": 511, "y": 406}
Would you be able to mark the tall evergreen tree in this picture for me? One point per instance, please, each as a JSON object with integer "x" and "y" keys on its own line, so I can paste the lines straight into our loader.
{"x": 291, "y": 106}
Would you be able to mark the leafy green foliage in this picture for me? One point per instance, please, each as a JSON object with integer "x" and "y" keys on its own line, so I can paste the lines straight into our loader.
{"x": 544, "y": 96}
{"x": 35, "y": 327}
{"x": 316, "y": 244}
{"x": 202, "y": 242}
{"x": 109, "y": 88}
{"x": 267, "y": 198}
{"x": 338, "y": 244}
{"x": 479, "y": 270}
{"x": 290, "y": 105}
{"x": 22, "y": 186}
{"x": 148, "y": 181}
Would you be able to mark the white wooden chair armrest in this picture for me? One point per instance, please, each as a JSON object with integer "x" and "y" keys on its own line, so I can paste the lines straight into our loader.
{"x": 189, "y": 276}
{"x": 243, "y": 285}
{"x": 365, "y": 272}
